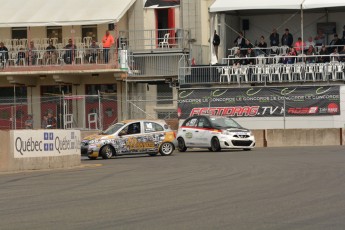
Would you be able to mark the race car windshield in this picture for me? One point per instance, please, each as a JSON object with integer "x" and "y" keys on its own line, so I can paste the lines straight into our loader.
{"x": 224, "y": 122}
{"x": 112, "y": 129}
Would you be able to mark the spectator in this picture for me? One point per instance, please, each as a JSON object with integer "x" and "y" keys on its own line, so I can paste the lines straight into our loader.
{"x": 238, "y": 58}
{"x": 29, "y": 123}
{"x": 335, "y": 43}
{"x": 309, "y": 43}
{"x": 3, "y": 53}
{"x": 342, "y": 55}
{"x": 51, "y": 121}
{"x": 50, "y": 53}
{"x": 287, "y": 39}
{"x": 334, "y": 56}
{"x": 262, "y": 44}
{"x": 21, "y": 56}
{"x": 310, "y": 53}
{"x": 107, "y": 42}
{"x": 239, "y": 41}
{"x": 274, "y": 38}
{"x": 32, "y": 54}
{"x": 343, "y": 37}
{"x": 320, "y": 38}
{"x": 216, "y": 43}
{"x": 246, "y": 46}
{"x": 291, "y": 56}
{"x": 69, "y": 52}
{"x": 250, "y": 57}
{"x": 299, "y": 45}
{"x": 93, "y": 52}
{"x": 44, "y": 122}
{"x": 323, "y": 51}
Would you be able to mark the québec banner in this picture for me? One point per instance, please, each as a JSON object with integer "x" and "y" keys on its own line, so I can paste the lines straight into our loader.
{"x": 161, "y": 3}
{"x": 260, "y": 101}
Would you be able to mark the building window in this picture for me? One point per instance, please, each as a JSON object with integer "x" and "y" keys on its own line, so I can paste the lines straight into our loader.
{"x": 19, "y": 33}
{"x": 7, "y": 94}
{"x": 55, "y": 90}
{"x": 55, "y": 32}
{"x": 164, "y": 94}
{"x": 103, "y": 89}
{"x": 89, "y": 31}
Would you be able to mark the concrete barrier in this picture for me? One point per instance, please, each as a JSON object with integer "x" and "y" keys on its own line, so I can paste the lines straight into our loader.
{"x": 259, "y": 135}
{"x": 39, "y": 149}
{"x": 303, "y": 137}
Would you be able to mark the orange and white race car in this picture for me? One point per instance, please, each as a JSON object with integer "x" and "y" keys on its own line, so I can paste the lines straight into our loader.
{"x": 130, "y": 137}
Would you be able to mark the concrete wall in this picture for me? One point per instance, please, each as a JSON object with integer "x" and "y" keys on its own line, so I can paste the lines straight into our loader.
{"x": 299, "y": 137}
{"x": 28, "y": 159}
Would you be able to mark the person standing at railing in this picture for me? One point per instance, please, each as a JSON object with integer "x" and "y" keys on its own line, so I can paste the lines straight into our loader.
{"x": 29, "y": 123}
{"x": 69, "y": 52}
{"x": 3, "y": 53}
{"x": 240, "y": 41}
{"x": 107, "y": 42}
{"x": 262, "y": 44}
{"x": 93, "y": 52}
{"x": 32, "y": 54}
{"x": 250, "y": 55}
{"x": 216, "y": 43}
{"x": 274, "y": 38}
{"x": 320, "y": 38}
{"x": 50, "y": 53}
{"x": 246, "y": 46}
{"x": 287, "y": 38}
{"x": 309, "y": 43}
{"x": 238, "y": 59}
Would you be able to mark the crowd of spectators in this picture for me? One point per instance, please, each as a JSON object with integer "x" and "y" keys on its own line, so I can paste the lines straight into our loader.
{"x": 314, "y": 49}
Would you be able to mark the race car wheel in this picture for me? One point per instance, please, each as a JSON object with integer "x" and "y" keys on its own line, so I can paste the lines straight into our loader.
{"x": 153, "y": 154}
{"x": 215, "y": 145}
{"x": 181, "y": 146}
{"x": 107, "y": 152}
{"x": 247, "y": 149}
{"x": 166, "y": 149}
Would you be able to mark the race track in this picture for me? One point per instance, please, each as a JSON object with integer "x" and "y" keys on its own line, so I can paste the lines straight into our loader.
{"x": 267, "y": 188}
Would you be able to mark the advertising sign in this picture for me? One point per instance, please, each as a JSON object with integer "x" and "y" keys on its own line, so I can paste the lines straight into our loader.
{"x": 45, "y": 143}
{"x": 260, "y": 101}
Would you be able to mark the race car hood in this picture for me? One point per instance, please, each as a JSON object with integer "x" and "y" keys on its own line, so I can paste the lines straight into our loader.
{"x": 94, "y": 137}
{"x": 238, "y": 130}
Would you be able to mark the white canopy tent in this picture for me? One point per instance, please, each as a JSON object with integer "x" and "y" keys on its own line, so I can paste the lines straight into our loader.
{"x": 31, "y": 13}
{"x": 234, "y": 5}
{"x": 240, "y": 5}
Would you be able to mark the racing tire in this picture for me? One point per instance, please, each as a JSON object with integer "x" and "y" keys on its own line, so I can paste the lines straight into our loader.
{"x": 92, "y": 158}
{"x": 210, "y": 149}
{"x": 181, "y": 145}
{"x": 215, "y": 145}
{"x": 107, "y": 152}
{"x": 166, "y": 149}
{"x": 247, "y": 149}
{"x": 153, "y": 154}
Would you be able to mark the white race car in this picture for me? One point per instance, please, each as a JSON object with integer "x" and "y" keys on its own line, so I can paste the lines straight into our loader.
{"x": 214, "y": 133}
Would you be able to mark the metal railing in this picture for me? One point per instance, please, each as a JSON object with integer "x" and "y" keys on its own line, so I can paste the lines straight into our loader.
{"x": 149, "y": 40}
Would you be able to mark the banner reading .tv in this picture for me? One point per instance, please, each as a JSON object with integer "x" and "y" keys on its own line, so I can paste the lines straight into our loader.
{"x": 260, "y": 101}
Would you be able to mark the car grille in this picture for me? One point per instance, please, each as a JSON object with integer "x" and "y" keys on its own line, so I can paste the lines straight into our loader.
{"x": 241, "y": 143}
{"x": 241, "y": 136}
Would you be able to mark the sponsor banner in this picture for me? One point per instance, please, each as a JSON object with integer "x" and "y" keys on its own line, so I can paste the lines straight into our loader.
{"x": 260, "y": 101}
{"x": 161, "y": 3}
{"x": 45, "y": 143}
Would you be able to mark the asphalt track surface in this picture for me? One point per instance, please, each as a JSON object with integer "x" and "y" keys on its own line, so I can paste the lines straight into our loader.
{"x": 267, "y": 188}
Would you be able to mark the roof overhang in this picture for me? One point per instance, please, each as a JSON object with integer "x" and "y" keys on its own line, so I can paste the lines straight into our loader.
{"x": 24, "y": 13}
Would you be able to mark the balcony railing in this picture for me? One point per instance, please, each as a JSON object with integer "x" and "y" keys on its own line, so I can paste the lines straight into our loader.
{"x": 267, "y": 70}
{"x": 154, "y": 40}
{"x": 83, "y": 57}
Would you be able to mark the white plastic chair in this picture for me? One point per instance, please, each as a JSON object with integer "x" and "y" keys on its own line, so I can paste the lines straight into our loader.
{"x": 339, "y": 70}
{"x": 275, "y": 73}
{"x": 297, "y": 72}
{"x": 310, "y": 71}
{"x": 80, "y": 56}
{"x": 224, "y": 74}
{"x": 287, "y": 71}
{"x": 320, "y": 71}
{"x": 165, "y": 42}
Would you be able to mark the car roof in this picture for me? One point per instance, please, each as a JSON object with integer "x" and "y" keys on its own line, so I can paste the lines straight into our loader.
{"x": 140, "y": 120}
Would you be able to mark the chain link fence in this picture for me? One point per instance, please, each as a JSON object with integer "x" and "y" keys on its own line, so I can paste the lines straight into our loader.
{"x": 86, "y": 112}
